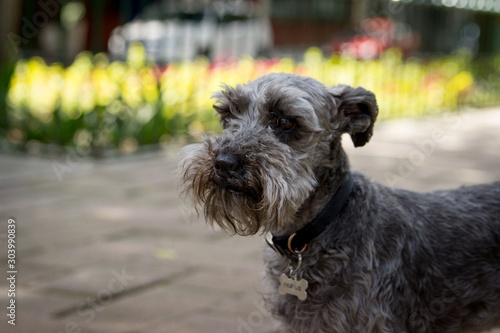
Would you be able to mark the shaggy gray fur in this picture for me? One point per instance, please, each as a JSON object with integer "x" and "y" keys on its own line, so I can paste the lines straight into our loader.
{"x": 391, "y": 261}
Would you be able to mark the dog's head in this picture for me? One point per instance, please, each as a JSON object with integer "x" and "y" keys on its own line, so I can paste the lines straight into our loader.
{"x": 279, "y": 132}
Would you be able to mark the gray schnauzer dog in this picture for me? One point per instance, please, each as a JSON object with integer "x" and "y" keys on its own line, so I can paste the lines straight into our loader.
{"x": 346, "y": 254}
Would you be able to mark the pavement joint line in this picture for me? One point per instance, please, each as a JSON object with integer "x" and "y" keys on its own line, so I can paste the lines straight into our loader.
{"x": 125, "y": 293}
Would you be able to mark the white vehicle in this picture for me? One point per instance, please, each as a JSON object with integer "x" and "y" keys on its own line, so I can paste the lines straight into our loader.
{"x": 178, "y": 30}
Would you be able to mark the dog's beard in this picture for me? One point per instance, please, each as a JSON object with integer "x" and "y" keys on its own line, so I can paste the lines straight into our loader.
{"x": 265, "y": 198}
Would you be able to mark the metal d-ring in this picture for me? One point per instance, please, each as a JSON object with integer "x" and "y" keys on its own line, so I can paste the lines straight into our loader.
{"x": 290, "y": 245}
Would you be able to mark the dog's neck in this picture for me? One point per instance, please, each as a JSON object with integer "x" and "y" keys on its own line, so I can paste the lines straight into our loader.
{"x": 330, "y": 178}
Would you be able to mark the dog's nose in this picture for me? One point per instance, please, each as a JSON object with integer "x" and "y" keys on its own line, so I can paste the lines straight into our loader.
{"x": 227, "y": 163}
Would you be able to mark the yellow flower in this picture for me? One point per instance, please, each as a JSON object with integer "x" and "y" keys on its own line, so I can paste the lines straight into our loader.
{"x": 181, "y": 94}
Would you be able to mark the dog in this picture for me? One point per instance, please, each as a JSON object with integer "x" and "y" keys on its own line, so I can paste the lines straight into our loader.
{"x": 345, "y": 254}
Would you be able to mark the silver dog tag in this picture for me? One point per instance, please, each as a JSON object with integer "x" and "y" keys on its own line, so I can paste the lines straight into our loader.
{"x": 292, "y": 286}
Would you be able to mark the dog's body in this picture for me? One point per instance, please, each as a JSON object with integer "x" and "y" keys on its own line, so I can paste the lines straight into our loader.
{"x": 405, "y": 262}
{"x": 390, "y": 261}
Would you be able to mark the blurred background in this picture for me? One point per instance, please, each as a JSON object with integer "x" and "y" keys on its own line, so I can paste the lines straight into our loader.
{"x": 97, "y": 96}
{"x": 117, "y": 76}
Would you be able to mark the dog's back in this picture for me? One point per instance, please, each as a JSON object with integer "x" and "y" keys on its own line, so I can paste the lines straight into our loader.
{"x": 447, "y": 247}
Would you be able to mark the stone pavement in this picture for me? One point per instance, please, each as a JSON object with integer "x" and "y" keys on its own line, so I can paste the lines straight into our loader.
{"x": 106, "y": 246}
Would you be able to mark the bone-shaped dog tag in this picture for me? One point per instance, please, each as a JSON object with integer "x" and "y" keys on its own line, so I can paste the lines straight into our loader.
{"x": 292, "y": 286}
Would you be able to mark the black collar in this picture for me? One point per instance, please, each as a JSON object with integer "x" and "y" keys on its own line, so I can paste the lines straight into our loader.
{"x": 297, "y": 243}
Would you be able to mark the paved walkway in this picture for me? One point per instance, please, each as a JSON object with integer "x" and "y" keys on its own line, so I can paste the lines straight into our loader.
{"x": 107, "y": 246}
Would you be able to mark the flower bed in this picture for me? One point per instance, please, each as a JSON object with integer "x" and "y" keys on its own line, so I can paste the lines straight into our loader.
{"x": 97, "y": 104}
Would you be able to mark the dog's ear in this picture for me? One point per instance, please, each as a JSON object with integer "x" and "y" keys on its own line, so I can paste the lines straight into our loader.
{"x": 356, "y": 109}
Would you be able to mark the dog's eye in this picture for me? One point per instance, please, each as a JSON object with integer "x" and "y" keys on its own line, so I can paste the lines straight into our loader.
{"x": 285, "y": 124}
